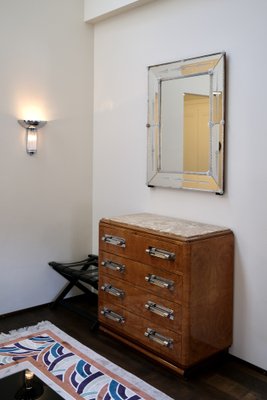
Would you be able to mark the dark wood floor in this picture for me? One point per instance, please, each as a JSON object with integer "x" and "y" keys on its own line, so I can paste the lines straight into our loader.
{"x": 229, "y": 379}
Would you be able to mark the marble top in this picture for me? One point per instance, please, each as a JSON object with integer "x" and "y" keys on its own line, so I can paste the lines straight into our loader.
{"x": 170, "y": 225}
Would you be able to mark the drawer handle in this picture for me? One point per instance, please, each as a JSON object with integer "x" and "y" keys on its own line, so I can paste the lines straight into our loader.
{"x": 115, "y": 240}
{"x": 112, "y": 290}
{"x": 166, "y": 255}
{"x": 112, "y": 315}
{"x": 158, "y": 338}
{"x": 114, "y": 266}
{"x": 158, "y": 281}
{"x": 159, "y": 310}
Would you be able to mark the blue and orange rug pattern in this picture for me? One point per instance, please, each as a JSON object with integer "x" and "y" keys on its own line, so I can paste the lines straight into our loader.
{"x": 79, "y": 373}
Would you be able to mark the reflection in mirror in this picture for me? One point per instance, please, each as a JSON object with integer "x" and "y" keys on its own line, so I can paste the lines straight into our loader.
{"x": 186, "y": 124}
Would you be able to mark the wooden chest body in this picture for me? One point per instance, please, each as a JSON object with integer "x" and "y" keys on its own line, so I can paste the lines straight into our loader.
{"x": 166, "y": 287}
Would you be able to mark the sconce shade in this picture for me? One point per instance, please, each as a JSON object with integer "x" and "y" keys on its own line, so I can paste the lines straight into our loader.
{"x": 31, "y": 127}
{"x": 31, "y": 141}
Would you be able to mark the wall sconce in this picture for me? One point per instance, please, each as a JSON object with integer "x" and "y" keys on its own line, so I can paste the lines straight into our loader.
{"x": 31, "y": 134}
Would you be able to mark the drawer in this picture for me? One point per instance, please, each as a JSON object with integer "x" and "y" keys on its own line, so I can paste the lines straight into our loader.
{"x": 152, "y": 336}
{"x": 158, "y": 281}
{"x": 148, "y": 249}
{"x": 141, "y": 302}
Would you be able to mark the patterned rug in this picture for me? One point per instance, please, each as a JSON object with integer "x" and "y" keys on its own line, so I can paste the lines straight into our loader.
{"x": 72, "y": 370}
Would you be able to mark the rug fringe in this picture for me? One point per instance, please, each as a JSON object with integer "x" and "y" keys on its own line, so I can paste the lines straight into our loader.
{"x": 16, "y": 333}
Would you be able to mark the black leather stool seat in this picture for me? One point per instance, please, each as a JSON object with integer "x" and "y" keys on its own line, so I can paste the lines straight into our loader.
{"x": 84, "y": 270}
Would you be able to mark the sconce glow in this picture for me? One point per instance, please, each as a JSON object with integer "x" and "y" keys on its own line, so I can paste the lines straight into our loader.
{"x": 29, "y": 374}
{"x": 31, "y": 127}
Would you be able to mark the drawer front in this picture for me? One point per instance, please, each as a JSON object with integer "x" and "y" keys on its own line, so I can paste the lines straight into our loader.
{"x": 140, "y": 302}
{"x": 154, "y": 337}
{"x": 145, "y": 248}
{"x": 155, "y": 280}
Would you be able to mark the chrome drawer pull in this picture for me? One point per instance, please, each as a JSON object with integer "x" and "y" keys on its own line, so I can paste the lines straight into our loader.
{"x": 114, "y": 266}
{"x": 159, "y": 310}
{"x": 112, "y": 290}
{"x": 158, "y": 338}
{"x": 115, "y": 240}
{"x": 166, "y": 255}
{"x": 113, "y": 316}
{"x": 158, "y": 281}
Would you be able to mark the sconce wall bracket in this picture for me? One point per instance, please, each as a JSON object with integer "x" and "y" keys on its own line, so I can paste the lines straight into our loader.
{"x": 29, "y": 124}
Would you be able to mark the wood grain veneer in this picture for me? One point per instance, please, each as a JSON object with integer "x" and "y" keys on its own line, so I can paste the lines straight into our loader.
{"x": 200, "y": 294}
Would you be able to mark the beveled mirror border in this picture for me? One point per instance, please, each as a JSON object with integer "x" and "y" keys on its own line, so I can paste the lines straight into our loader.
{"x": 212, "y": 181}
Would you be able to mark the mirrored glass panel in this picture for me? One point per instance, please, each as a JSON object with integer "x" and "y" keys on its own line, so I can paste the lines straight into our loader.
{"x": 186, "y": 124}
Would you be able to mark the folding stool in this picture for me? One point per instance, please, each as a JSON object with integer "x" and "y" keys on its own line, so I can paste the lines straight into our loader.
{"x": 78, "y": 273}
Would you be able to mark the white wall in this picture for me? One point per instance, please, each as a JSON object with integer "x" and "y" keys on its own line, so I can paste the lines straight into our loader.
{"x": 45, "y": 204}
{"x": 95, "y": 10}
{"x": 165, "y": 31}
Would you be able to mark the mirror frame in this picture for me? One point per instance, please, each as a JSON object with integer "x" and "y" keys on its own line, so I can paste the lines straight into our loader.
{"x": 212, "y": 180}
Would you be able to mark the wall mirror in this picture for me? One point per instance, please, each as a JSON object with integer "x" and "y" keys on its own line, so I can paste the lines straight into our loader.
{"x": 186, "y": 124}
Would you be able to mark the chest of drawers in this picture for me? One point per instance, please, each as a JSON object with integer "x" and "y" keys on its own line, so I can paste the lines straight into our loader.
{"x": 166, "y": 287}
